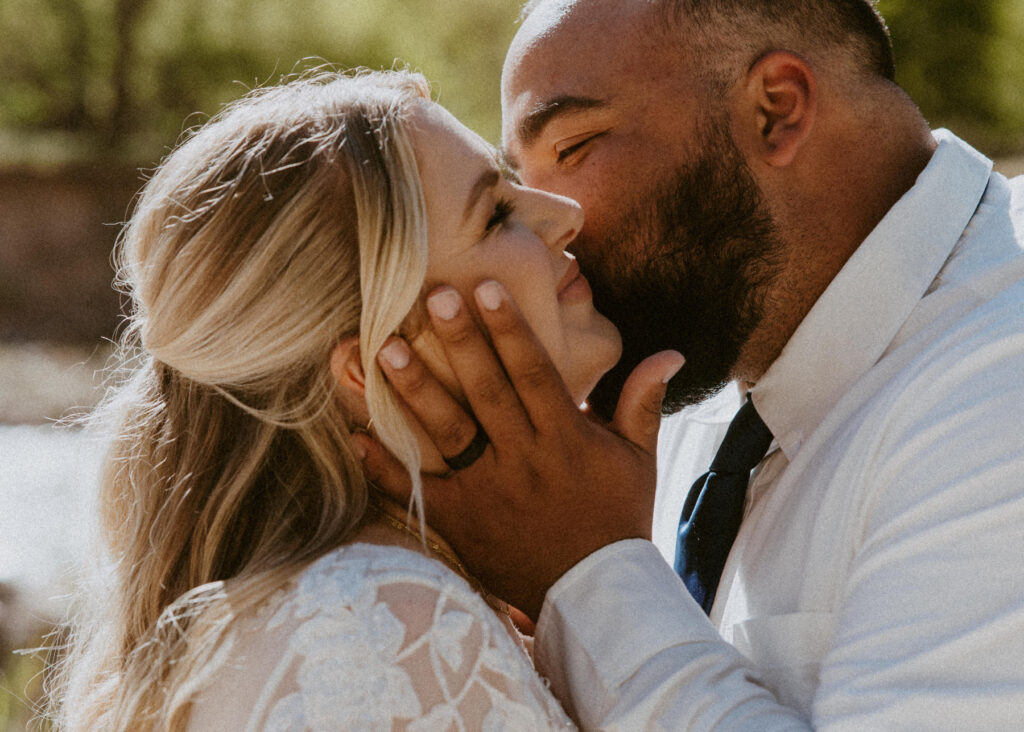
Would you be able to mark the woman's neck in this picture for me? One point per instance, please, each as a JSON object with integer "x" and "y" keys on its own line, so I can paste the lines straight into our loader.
{"x": 389, "y": 524}
{"x": 405, "y": 529}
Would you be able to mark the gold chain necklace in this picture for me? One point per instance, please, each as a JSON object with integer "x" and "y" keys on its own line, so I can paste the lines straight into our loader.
{"x": 446, "y": 556}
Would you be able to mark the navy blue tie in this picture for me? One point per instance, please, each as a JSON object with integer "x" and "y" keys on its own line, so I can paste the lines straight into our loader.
{"x": 714, "y": 507}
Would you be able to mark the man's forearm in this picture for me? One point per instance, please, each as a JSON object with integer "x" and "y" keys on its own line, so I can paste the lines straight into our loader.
{"x": 626, "y": 647}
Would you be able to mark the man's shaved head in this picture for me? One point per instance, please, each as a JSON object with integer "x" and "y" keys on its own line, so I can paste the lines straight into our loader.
{"x": 718, "y": 29}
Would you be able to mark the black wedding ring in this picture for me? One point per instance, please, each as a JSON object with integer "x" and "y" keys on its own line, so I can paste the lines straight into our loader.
{"x": 472, "y": 452}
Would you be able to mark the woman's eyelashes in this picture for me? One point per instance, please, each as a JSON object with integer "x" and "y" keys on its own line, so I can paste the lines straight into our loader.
{"x": 503, "y": 208}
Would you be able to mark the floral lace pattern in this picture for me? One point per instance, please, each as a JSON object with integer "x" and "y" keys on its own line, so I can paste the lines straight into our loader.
{"x": 377, "y": 638}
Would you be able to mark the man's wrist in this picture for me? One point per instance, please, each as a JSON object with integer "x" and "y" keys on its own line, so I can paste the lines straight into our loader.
{"x": 581, "y": 569}
{"x": 533, "y": 604}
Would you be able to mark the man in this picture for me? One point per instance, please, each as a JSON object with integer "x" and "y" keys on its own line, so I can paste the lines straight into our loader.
{"x": 763, "y": 198}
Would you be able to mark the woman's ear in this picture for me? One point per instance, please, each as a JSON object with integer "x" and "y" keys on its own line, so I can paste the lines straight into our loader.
{"x": 347, "y": 368}
{"x": 778, "y": 105}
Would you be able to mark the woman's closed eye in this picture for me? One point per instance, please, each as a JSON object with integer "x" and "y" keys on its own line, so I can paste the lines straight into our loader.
{"x": 503, "y": 208}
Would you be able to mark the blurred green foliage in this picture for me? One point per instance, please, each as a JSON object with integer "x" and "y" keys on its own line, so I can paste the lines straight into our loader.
{"x": 21, "y": 692}
{"x": 117, "y": 78}
{"x": 120, "y": 76}
{"x": 963, "y": 63}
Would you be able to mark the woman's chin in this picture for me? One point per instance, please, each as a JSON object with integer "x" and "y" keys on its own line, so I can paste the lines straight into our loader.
{"x": 581, "y": 394}
{"x": 603, "y": 358}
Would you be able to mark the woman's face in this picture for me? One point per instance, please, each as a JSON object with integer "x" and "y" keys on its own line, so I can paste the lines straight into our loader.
{"x": 483, "y": 226}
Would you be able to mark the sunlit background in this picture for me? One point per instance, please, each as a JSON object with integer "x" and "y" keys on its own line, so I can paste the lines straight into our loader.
{"x": 93, "y": 92}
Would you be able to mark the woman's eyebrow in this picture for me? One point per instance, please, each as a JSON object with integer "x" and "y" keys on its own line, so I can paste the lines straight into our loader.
{"x": 488, "y": 179}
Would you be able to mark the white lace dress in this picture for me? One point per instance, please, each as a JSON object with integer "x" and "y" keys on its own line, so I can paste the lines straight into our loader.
{"x": 375, "y": 638}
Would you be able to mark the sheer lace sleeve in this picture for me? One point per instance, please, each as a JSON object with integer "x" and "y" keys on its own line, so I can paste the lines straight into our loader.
{"x": 376, "y": 638}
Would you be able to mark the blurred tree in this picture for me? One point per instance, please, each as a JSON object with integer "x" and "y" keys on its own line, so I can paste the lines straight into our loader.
{"x": 121, "y": 75}
{"x": 126, "y": 19}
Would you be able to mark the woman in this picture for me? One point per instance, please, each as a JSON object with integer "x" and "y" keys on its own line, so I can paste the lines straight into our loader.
{"x": 259, "y": 582}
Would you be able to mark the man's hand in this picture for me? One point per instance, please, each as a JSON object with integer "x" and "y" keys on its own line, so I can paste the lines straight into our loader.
{"x": 553, "y": 486}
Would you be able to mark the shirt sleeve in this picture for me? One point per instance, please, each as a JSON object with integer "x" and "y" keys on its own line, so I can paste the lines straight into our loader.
{"x": 625, "y": 647}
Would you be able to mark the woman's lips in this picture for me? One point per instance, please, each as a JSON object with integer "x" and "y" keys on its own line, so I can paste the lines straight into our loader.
{"x": 573, "y": 285}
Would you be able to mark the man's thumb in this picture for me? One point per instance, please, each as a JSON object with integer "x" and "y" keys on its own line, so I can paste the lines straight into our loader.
{"x": 638, "y": 413}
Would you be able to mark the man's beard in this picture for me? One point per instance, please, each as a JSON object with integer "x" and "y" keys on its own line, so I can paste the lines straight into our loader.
{"x": 687, "y": 269}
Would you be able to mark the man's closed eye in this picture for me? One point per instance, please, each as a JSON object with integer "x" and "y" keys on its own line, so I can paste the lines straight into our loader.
{"x": 567, "y": 148}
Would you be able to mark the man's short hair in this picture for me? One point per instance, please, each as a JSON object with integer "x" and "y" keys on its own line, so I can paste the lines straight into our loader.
{"x": 855, "y": 25}
{"x": 852, "y": 24}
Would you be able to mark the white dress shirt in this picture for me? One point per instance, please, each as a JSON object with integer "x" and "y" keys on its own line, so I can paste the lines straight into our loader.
{"x": 877, "y": 581}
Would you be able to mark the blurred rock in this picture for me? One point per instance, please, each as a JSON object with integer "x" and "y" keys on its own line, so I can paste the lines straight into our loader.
{"x": 1010, "y": 167}
{"x": 40, "y": 382}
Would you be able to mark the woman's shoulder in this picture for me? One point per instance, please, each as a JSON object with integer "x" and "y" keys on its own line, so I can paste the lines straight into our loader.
{"x": 341, "y": 577}
{"x": 370, "y": 634}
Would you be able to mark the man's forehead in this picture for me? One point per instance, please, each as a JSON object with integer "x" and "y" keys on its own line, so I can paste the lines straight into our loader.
{"x": 573, "y": 48}
{"x": 564, "y": 41}
{"x": 547, "y": 15}
{"x": 558, "y": 18}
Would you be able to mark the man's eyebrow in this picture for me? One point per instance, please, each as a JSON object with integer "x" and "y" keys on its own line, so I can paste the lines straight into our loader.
{"x": 533, "y": 124}
{"x": 487, "y": 179}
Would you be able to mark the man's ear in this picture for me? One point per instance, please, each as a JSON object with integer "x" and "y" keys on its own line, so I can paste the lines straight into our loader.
{"x": 777, "y": 107}
{"x": 347, "y": 368}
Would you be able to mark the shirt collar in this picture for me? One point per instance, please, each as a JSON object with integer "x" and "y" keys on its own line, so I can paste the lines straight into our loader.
{"x": 863, "y": 308}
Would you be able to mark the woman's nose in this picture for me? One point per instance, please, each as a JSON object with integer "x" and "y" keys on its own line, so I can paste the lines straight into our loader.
{"x": 557, "y": 219}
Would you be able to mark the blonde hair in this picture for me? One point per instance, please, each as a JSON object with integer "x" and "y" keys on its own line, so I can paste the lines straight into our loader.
{"x": 291, "y": 220}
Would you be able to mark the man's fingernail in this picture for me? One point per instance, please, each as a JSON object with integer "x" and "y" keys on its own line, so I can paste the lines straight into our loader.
{"x": 489, "y": 295}
{"x": 359, "y": 448}
{"x": 674, "y": 368}
{"x": 444, "y": 303}
{"x": 396, "y": 354}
